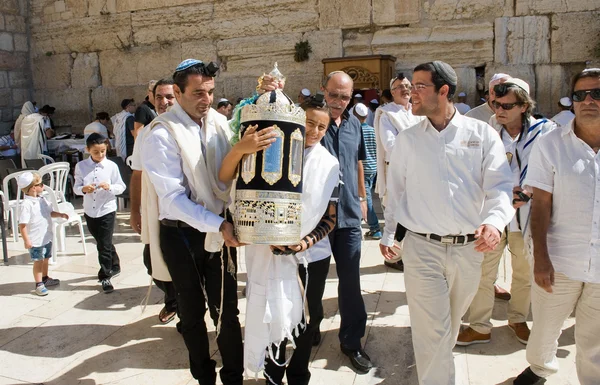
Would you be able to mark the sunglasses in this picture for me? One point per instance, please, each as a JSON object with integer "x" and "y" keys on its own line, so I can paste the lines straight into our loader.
{"x": 579, "y": 96}
{"x": 505, "y": 106}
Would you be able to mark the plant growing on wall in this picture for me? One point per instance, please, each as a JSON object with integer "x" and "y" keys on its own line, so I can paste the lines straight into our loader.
{"x": 302, "y": 49}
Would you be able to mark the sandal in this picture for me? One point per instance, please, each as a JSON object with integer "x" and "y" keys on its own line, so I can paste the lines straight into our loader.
{"x": 166, "y": 316}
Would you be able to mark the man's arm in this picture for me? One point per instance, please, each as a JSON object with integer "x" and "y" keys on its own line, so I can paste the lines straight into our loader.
{"x": 541, "y": 212}
{"x": 137, "y": 126}
{"x": 387, "y": 132}
{"x": 135, "y": 194}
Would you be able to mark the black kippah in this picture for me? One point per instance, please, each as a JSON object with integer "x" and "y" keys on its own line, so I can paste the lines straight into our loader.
{"x": 318, "y": 100}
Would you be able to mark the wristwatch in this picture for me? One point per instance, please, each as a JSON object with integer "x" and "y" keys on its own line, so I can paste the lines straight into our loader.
{"x": 362, "y": 199}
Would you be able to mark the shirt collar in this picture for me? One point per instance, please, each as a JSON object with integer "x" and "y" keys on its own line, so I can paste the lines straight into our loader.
{"x": 181, "y": 114}
{"x": 29, "y": 197}
{"x": 455, "y": 122}
{"x": 101, "y": 164}
{"x": 568, "y": 128}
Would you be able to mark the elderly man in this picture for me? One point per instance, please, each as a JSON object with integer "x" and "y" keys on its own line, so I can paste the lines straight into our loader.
{"x": 164, "y": 97}
{"x": 565, "y": 115}
{"x": 485, "y": 111}
{"x": 145, "y": 112}
{"x": 123, "y": 123}
{"x": 344, "y": 140}
{"x": 519, "y": 132}
{"x": 450, "y": 187}
{"x": 390, "y": 120}
{"x": 225, "y": 108}
{"x": 186, "y": 206}
{"x": 563, "y": 172}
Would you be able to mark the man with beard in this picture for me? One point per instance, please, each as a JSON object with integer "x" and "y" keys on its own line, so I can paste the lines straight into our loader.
{"x": 450, "y": 187}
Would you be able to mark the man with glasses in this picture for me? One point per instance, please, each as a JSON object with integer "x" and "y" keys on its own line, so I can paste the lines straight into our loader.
{"x": 391, "y": 119}
{"x": 344, "y": 140}
{"x": 485, "y": 111}
{"x": 451, "y": 187}
{"x": 182, "y": 154}
{"x": 519, "y": 132}
{"x": 563, "y": 173}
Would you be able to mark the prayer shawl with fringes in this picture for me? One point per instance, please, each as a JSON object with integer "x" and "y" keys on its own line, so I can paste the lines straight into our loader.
{"x": 275, "y": 301}
{"x": 120, "y": 132}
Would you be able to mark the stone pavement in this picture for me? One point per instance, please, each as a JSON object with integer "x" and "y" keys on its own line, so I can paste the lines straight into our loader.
{"x": 78, "y": 335}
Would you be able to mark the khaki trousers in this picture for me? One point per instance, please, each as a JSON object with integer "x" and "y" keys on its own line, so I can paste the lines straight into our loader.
{"x": 550, "y": 310}
{"x": 480, "y": 311}
{"x": 441, "y": 281}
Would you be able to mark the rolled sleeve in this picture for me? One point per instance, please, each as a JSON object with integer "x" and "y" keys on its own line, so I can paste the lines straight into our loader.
{"x": 396, "y": 185}
{"x": 78, "y": 186}
{"x": 162, "y": 162}
{"x": 540, "y": 172}
{"x": 387, "y": 134}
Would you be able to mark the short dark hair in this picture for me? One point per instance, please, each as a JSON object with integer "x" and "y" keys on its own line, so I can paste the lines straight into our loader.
{"x": 126, "y": 102}
{"x": 180, "y": 78}
{"x": 102, "y": 116}
{"x": 315, "y": 102}
{"x": 436, "y": 78}
{"x": 586, "y": 73}
{"x": 162, "y": 82}
{"x": 387, "y": 94}
{"x": 223, "y": 103}
{"x": 95, "y": 138}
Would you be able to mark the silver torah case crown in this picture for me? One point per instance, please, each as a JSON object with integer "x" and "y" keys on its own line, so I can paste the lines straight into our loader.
{"x": 268, "y": 200}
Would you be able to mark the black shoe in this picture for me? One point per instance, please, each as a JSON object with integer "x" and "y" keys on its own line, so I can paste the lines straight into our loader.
{"x": 395, "y": 265}
{"x": 528, "y": 377}
{"x": 107, "y": 287}
{"x": 178, "y": 326}
{"x": 316, "y": 341}
{"x": 359, "y": 359}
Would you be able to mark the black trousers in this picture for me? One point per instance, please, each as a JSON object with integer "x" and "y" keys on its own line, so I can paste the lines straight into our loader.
{"x": 345, "y": 244}
{"x": 167, "y": 287}
{"x": 102, "y": 229}
{"x": 297, "y": 372}
{"x": 192, "y": 268}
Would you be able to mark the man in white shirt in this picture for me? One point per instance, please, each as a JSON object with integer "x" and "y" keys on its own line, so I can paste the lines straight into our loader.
{"x": 451, "y": 187}
{"x": 485, "y": 111}
{"x": 565, "y": 115}
{"x": 564, "y": 174}
{"x": 183, "y": 152}
{"x": 122, "y": 123}
{"x": 461, "y": 106}
{"x": 164, "y": 97}
{"x": 391, "y": 119}
{"x": 98, "y": 126}
{"x": 519, "y": 132}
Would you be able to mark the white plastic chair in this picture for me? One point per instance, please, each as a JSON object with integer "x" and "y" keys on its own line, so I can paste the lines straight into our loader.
{"x": 58, "y": 224}
{"x": 59, "y": 173}
{"x": 47, "y": 159}
{"x": 11, "y": 206}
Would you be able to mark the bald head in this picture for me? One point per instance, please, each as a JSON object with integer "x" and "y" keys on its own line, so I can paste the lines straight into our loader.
{"x": 338, "y": 76}
{"x": 338, "y": 92}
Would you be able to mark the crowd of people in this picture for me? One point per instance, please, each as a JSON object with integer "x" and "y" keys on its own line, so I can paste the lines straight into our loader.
{"x": 458, "y": 190}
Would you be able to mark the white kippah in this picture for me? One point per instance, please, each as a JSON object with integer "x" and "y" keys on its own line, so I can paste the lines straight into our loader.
{"x": 24, "y": 180}
{"x": 361, "y": 110}
{"x": 565, "y": 102}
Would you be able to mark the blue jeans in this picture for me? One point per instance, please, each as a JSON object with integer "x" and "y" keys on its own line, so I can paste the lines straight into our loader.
{"x": 372, "y": 219}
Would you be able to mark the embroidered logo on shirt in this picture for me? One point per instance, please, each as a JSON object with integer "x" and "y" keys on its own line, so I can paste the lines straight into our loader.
{"x": 471, "y": 143}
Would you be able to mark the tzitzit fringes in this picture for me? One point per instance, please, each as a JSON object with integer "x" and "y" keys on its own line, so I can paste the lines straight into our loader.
{"x": 220, "y": 309}
{"x": 145, "y": 300}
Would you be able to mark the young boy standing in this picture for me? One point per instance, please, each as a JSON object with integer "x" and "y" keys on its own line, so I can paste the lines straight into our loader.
{"x": 34, "y": 223}
{"x": 370, "y": 169}
{"x": 99, "y": 181}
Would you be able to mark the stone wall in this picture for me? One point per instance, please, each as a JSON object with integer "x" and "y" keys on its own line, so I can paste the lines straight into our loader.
{"x": 89, "y": 54}
{"x": 15, "y": 79}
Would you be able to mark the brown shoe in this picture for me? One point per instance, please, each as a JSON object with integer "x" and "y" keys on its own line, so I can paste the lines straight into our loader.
{"x": 521, "y": 331}
{"x": 469, "y": 337}
{"x": 500, "y": 293}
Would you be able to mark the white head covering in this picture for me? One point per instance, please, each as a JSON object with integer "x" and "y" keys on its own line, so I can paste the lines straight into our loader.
{"x": 462, "y": 94}
{"x": 27, "y": 109}
{"x": 305, "y": 92}
{"x": 361, "y": 110}
{"x": 522, "y": 84}
{"x": 499, "y": 76}
{"x": 565, "y": 102}
{"x": 24, "y": 180}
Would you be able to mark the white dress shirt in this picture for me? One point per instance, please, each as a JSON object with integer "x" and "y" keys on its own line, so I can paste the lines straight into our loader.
{"x": 483, "y": 112}
{"x": 564, "y": 165}
{"x": 449, "y": 182}
{"x": 161, "y": 159}
{"x": 562, "y": 118}
{"x": 510, "y": 147}
{"x": 36, "y": 212}
{"x": 96, "y": 127}
{"x": 136, "y": 155}
{"x": 394, "y": 119}
{"x": 101, "y": 201}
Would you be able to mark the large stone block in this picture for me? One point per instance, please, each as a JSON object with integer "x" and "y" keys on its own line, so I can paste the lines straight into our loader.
{"x": 522, "y": 40}
{"x": 344, "y": 13}
{"x": 136, "y": 5}
{"x": 138, "y": 65}
{"x": 86, "y": 71}
{"x": 553, "y": 81}
{"x": 4, "y": 79}
{"x": 72, "y": 106}
{"x": 468, "y": 9}
{"x": 10, "y": 61}
{"x": 525, "y": 72}
{"x": 5, "y": 97}
{"x": 109, "y": 98}
{"x": 89, "y": 34}
{"x": 205, "y": 50}
{"x": 15, "y": 23}
{"x": 459, "y": 45}
{"x": 542, "y": 7}
{"x": 18, "y": 79}
{"x": 467, "y": 83}
{"x": 575, "y": 37}
{"x": 21, "y": 43}
{"x": 19, "y": 96}
{"x": 394, "y": 12}
{"x": 52, "y": 72}
{"x": 9, "y": 6}
{"x": 77, "y": 7}
{"x": 6, "y": 42}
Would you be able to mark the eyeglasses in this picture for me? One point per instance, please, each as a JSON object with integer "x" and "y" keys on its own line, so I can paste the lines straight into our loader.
{"x": 39, "y": 184}
{"x": 402, "y": 87}
{"x": 579, "y": 96}
{"x": 343, "y": 98}
{"x": 505, "y": 106}
{"x": 420, "y": 86}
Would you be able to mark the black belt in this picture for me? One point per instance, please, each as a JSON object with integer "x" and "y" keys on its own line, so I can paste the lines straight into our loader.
{"x": 173, "y": 223}
{"x": 450, "y": 239}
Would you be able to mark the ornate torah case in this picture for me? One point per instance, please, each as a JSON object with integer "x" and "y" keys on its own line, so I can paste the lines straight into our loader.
{"x": 268, "y": 203}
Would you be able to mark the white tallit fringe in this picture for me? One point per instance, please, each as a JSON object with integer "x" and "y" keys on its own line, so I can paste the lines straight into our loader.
{"x": 145, "y": 300}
